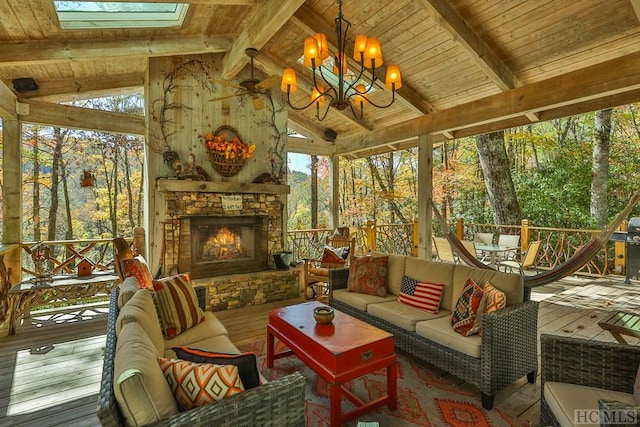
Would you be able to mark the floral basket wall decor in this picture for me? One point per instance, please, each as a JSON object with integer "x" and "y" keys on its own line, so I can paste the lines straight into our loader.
{"x": 227, "y": 152}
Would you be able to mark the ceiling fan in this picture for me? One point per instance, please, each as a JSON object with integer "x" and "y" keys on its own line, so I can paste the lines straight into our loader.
{"x": 252, "y": 87}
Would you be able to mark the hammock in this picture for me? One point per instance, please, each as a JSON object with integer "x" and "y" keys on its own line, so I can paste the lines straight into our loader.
{"x": 574, "y": 263}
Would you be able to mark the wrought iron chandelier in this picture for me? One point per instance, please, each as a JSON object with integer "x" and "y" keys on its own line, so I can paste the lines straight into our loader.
{"x": 351, "y": 89}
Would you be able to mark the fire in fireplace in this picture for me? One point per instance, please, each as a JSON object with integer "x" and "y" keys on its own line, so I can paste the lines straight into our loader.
{"x": 227, "y": 245}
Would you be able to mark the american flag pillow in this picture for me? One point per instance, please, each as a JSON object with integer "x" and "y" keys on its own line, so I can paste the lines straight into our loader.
{"x": 423, "y": 295}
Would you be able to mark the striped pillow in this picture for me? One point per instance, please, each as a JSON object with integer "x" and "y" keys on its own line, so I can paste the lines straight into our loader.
{"x": 177, "y": 304}
{"x": 422, "y": 295}
{"x": 199, "y": 384}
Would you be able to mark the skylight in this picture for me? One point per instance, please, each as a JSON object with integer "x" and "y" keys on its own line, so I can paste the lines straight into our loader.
{"x": 89, "y": 14}
{"x": 332, "y": 78}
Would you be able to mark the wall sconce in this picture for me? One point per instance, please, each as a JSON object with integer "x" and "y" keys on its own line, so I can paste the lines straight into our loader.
{"x": 87, "y": 179}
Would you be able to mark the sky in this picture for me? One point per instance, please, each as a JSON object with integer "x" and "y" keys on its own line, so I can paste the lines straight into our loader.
{"x": 299, "y": 162}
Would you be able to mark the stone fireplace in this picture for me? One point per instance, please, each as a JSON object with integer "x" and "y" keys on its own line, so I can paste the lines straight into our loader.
{"x": 215, "y": 229}
{"x": 223, "y": 234}
{"x": 222, "y": 245}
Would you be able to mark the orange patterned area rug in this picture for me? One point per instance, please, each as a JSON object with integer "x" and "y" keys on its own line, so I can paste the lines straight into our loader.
{"x": 424, "y": 398}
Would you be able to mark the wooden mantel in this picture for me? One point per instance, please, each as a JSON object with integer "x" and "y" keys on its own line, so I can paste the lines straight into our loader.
{"x": 175, "y": 185}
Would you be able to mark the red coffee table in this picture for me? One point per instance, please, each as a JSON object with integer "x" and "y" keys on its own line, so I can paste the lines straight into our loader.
{"x": 339, "y": 352}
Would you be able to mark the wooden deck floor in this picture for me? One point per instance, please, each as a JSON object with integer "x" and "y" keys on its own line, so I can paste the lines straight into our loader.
{"x": 50, "y": 372}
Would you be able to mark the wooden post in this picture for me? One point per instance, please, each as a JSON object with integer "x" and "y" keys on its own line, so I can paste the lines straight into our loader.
{"x": 524, "y": 236}
{"x": 414, "y": 239}
{"x": 370, "y": 233}
{"x": 425, "y": 191}
{"x": 620, "y": 252}
{"x": 460, "y": 228}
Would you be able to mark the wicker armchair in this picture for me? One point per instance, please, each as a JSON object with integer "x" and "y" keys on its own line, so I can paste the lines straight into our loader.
{"x": 610, "y": 366}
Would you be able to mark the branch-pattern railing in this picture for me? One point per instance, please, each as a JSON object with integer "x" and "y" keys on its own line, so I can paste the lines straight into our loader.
{"x": 558, "y": 244}
{"x": 61, "y": 257}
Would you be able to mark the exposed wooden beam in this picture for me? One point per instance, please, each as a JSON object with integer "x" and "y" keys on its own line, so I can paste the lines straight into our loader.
{"x": 46, "y": 52}
{"x": 256, "y": 32}
{"x": 451, "y": 21}
{"x": 75, "y": 89}
{"x": 50, "y": 114}
{"x": 7, "y": 103}
{"x": 310, "y": 129}
{"x": 208, "y": 2}
{"x": 312, "y": 147}
{"x": 594, "y": 85}
{"x": 555, "y": 113}
{"x": 311, "y": 23}
{"x": 636, "y": 7}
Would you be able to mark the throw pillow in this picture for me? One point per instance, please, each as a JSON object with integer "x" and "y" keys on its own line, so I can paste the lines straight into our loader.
{"x": 368, "y": 275}
{"x": 494, "y": 299}
{"x": 329, "y": 256}
{"x": 199, "y": 384}
{"x": 177, "y": 304}
{"x": 422, "y": 295}
{"x": 466, "y": 309}
{"x": 246, "y": 362}
{"x": 139, "y": 269}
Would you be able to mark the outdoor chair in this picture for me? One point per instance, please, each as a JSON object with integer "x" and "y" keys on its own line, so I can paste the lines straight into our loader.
{"x": 470, "y": 247}
{"x": 511, "y": 240}
{"x": 530, "y": 258}
{"x": 485, "y": 239}
{"x": 443, "y": 248}
{"x": 336, "y": 254}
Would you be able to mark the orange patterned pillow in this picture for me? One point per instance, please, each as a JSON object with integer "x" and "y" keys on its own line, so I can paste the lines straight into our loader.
{"x": 138, "y": 268}
{"x": 494, "y": 299}
{"x": 368, "y": 275}
{"x": 464, "y": 315}
{"x": 199, "y": 384}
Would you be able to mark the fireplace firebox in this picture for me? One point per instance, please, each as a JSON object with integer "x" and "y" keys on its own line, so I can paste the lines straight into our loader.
{"x": 227, "y": 245}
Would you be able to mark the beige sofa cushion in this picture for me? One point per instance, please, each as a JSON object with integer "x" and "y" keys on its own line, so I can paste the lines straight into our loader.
{"x": 128, "y": 288}
{"x": 208, "y": 328}
{"x": 563, "y": 399}
{"x": 511, "y": 284}
{"x": 395, "y": 271}
{"x": 142, "y": 392}
{"x": 403, "y": 315}
{"x": 440, "y": 331}
{"x": 142, "y": 310}
{"x": 359, "y": 301}
{"x": 433, "y": 272}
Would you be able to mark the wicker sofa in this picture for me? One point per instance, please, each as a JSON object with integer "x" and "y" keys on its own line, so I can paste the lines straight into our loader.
{"x": 506, "y": 351}
{"x": 276, "y": 403}
{"x": 587, "y": 375}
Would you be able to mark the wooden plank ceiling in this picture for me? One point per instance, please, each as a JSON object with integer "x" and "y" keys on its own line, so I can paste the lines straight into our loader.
{"x": 468, "y": 66}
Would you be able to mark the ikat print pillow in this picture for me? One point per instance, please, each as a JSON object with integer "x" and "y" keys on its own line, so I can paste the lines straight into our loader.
{"x": 464, "y": 315}
{"x": 138, "y": 268}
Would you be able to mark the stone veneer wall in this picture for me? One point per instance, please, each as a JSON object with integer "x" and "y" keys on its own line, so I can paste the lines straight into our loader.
{"x": 240, "y": 290}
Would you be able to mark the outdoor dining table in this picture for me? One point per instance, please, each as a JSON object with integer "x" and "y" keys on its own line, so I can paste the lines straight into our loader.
{"x": 493, "y": 250}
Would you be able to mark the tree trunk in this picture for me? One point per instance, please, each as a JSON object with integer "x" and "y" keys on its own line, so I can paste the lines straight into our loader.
{"x": 55, "y": 183}
{"x": 497, "y": 177}
{"x": 314, "y": 191}
{"x": 386, "y": 187}
{"x": 37, "y": 236}
{"x": 600, "y": 165}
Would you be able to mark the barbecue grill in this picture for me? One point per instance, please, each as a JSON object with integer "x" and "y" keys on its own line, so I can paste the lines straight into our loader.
{"x": 632, "y": 240}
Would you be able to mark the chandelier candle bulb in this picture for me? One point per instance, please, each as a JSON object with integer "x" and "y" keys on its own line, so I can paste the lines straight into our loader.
{"x": 372, "y": 53}
{"x": 317, "y": 96}
{"x": 289, "y": 82}
{"x": 359, "y": 47}
{"x": 310, "y": 52}
{"x": 393, "y": 79}
{"x": 323, "y": 47}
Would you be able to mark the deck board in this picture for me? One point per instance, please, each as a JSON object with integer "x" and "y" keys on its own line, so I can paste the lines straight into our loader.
{"x": 50, "y": 373}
